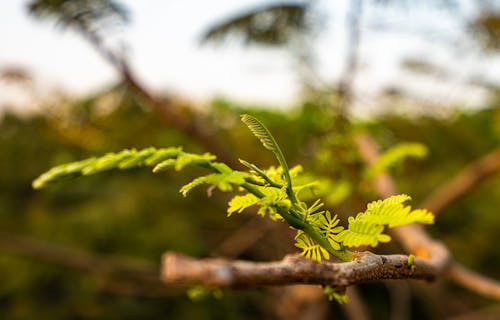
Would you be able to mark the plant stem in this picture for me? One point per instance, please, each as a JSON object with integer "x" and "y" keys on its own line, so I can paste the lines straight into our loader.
{"x": 299, "y": 224}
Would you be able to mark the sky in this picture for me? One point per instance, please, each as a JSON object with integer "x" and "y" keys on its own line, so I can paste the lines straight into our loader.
{"x": 163, "y": 48}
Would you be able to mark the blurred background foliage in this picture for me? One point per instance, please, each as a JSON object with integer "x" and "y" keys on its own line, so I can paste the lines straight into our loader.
{"x": 141, "y": 215}
{"x": 135, "y": 216}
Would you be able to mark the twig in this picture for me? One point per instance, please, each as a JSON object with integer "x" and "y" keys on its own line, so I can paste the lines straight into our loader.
{"x": 474, "y": 281}
{"x": 167, "y": 112}
{"x": 179, "y": 269}
{"x": 463, "y": 182}
{"x": 244, "y": 237}
{"x": 356, "y": 308}
{"x": 127, "y": 276}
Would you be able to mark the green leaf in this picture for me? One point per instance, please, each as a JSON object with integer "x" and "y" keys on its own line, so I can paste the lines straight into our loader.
{"x": 310, "y": 249}
{"x": 332, "y": 294}
{"x": 161, "y": 155}
{"x": 268, "y": 141}
{"x": 240, "y": 203}
{"x": 186, "y": 159}
{"x": 138, "y": 159}
{"x": 164, "y": 165}
{"x": 391, "y": 212}
{"x": 261, "y": 132}
{"x": 223, "y": 181}
{"x": 328, "y": 226}
{"x": 161, "y": 159}
{"x": 367, "y": 227}
{"x": 362, "y": 233}
{"x": 395, "y": 155}
{"x": 109, "y": 161}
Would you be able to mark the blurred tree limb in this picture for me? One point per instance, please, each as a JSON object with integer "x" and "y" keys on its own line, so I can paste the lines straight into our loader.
{"x": 463, "y": 182}
{"x": 121, "y": 275}
{"x": 91, "y": 18}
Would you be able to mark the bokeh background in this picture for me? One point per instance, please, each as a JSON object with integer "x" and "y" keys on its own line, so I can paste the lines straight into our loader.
{"x": 84, "y": 77}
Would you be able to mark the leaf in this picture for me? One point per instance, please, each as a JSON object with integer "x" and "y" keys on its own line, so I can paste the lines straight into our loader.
{"x": 223, "y": 181}
{"x": 161, "y": 155}
{"x": 328, "y": 226}
{"x": 161, "y": 159}
{"x": 392, "y": 213}
{"x": 164, "y": 165}
{"x": 138, "y": 159}
{"x": 332, "y": 294}
{"x": 267, "y": 140}
{"x": 362, "y": 233}
{"x": 108, "y": 162}
{"x": 240, "y": 203}
{"x": 395, "y": 155}
{"x": 310, "y": 249}
{"x": 261, "y": 132}
{"x": 367, "y": 227}
{"x": 186, "y": 159}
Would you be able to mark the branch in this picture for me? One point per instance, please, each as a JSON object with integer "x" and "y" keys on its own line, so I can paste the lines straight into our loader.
{"x": 170, "y": 115}
{"x": 474, "y": 281}
{"x": 179, "y": 269}
{"x": 463, "y": 182}
{"x": 167, "y": 112}
{"x": 128, "y": 276}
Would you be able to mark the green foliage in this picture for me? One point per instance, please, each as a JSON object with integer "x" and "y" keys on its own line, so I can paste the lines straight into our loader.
{"x": 329, "y": 227}
{"x": 240, "y": 203}
{"x": 267, "y": 139}
{"x": 224, "y": 181}
{"x": 395, "y": 155}
{"x": 367, "y": 227}
{"x": 126, "y": 213}
{"x": 319, "y": 234}
{"x": 199, "y": 293}
{"x": 310, "y": 249}
{"x": 332, "y": 294}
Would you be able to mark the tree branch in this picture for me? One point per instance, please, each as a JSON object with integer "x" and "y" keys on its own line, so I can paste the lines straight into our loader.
{"x": 463, "y": 182}
{"x": 474, "y": 281}
{"x": 128, "y": 276}
{"x": 168, "y": 113}
{"x": 179, "y": 269}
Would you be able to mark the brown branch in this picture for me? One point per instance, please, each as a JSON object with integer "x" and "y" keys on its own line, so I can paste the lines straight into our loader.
{"x": 179, "y": 269}
{"x": 244, "y": 237}
{"x": 126, "y": 275}
{"x": 474, "y": 281}
{"x": 356, "y": 309}
{"x": 463, "y": 182}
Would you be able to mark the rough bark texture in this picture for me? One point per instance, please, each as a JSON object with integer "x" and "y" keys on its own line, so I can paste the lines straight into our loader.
{"x": 179, "y": 269}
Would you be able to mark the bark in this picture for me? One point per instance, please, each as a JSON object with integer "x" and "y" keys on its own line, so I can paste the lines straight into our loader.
{"x": 179, "y": 269}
